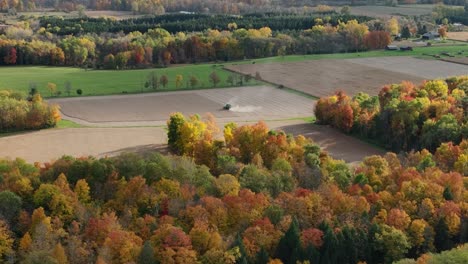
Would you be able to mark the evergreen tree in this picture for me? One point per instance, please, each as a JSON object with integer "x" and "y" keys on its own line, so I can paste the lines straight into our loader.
{"x": 240, "y": 244}
{"x": 147, "y": 254}
{"x": 262, "y": 257}
{"x": 442, "y": 237}
{"x": 173, "y": 134}
{"x": 329, "y": 253}
{"x": 289, "y": 245}
{"x": 464, "y": 230}
{"x": 311, "y": 254}
{"x": 405, "y": 32}
{"x": 349, "y": 245}
{"x": 372, "y": 253}
{"x": 448, "y": 195}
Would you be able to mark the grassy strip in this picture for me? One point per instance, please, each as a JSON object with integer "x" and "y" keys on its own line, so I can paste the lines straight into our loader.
{"x": 63, "y": 123}
{"x": 97, "y": 82}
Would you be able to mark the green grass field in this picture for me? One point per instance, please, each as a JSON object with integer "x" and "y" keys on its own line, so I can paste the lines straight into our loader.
{"x": 96, "y": 82}
{"x": 420, "y": 52}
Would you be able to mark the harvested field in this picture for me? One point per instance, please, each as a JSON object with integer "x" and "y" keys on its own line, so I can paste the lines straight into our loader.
{"x": 324, "y": 77}
{"x": 50, "y": 144}
{"x": 457, "y": 60}
{"x": 461, "y": 36}
{"x": 248, "y": 103}
{"x": 426, "y": 69}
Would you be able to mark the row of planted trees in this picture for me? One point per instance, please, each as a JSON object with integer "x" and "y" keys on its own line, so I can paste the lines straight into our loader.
{"x": 403, "y": 116}
{"x": 17, "y": 113}
{"x": 244, "y": 195}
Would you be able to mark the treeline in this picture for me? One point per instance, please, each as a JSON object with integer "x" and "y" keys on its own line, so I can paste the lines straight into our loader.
{"x": 174, "y": 23}
{"x": 162, "y": 6}
{"x": 403, "y": 116}
{"x": 17, "y": 114}
{"x": 265, "y": 197}
{"x": 452, "y": 14}
{"x": 157, "y": 47}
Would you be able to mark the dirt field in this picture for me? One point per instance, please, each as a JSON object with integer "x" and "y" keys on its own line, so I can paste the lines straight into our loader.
{"x": 248, "y": 103}
{"x": 50, "y": 144}
{"x": 324, "y": 77}
{"x": 457, "y": 60}
{"x": 461, "y": 36}
{"x": 426, "y": 69}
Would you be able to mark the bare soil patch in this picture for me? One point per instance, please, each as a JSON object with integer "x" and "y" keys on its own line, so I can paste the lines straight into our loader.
{"x": 457, "y": 60}
{"x": 426, "y": 69}
{"x": 50, "y": 144}
{"x": 47, "y": 145}
{"x": 324, "y": 77}
{"x": 248, "y": 103}
{"x": 461, "y": 36}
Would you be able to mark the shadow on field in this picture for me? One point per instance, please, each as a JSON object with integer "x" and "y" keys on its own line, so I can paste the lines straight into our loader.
{"x": 142, "y": 150}
{"x": 337, "y": 144}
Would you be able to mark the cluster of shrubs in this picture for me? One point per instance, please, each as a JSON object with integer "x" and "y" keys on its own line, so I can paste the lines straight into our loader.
{"x": 18, "y": 113}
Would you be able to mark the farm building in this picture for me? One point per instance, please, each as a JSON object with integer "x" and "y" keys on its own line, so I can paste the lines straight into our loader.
{"x": 391, "y": 47}
{"x": 430, "y": 35}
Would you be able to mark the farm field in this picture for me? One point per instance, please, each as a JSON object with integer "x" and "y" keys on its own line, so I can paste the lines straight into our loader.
{"x": 461, "y": 36}
{"x": 427, "y": 69}
{"x": 248, "y": 103}
{"x": 101, "y": 142}
{"x": 385, "y": 11}
{"x": 102, "y": 82}
{"x": 457, "y": 60}
{"x": 324, "y": 77}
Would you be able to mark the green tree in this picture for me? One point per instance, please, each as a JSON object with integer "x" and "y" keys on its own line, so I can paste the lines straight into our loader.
{"x": 442, "y": 240}
{"x": 328, "y": 251}
{"x": 392, "y": 242}
{"x": 405, "y": 32}
{"x": 446, "y": 129}
{"x": 175, "y": 122}
{"x": 238, "y": 243}
{"x": 262, "y": 257}
{"x": 10, "y": 206}
{"x": 288, "y": 249}
{"x": 147, "y": 254}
